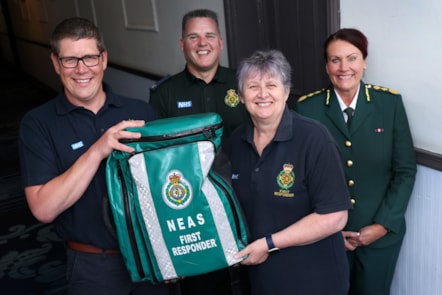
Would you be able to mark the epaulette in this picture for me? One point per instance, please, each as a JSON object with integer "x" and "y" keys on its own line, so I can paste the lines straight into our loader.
{"x": 154, "y": 86}
{"x": 304, "y": 97}
{"x": 381, "y": 88}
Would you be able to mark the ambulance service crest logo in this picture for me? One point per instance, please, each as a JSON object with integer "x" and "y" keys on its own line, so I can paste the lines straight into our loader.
{"x": 286, "y": 178}
{"x": 177, "y": 192}
{"x": 231, "y": 99}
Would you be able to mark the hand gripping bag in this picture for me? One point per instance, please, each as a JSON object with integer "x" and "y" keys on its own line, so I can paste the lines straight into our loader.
{"x": 173, "y": 207}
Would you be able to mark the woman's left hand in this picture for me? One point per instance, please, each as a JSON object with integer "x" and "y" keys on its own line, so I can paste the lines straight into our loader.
{"x": 371, "y": 233}
{"x": 254, "y": 253}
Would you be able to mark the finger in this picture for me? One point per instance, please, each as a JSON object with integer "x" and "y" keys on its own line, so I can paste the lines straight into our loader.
{"x": 355, "y": 234}
{"x": 124, "y": 134}
{"x": 131, "y": 123}
{"x": 124, "y": 148}
{"x": 241, "y": 254}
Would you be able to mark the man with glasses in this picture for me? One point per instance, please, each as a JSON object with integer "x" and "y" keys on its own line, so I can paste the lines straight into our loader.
{"x": 71, "y": 62}
{"x": 63, "y": 149}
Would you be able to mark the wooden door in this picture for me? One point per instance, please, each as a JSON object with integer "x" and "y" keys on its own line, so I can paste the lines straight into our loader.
{"x": 296, "y": 27}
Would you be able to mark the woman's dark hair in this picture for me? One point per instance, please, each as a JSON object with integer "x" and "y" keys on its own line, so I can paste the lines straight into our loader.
{"x": 76, "y": 28}
{"x": 353, "y": 36}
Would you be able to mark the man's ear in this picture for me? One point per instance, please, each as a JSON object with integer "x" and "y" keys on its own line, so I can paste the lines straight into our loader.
{"x": 221, "y": 43}
{"x": 182, "y": 44}
{"x": 55, "y": 63}
{"x": 104, "y": 59}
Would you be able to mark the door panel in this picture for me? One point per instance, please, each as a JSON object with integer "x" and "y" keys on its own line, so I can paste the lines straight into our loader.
{"x": 297, "y": 27}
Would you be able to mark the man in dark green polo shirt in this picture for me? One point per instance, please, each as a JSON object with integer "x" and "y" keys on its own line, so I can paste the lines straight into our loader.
{"x": 204, "y": 85}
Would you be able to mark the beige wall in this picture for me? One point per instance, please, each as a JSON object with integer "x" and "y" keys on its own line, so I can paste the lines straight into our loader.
{"x": 405, "y": 41}
{"x": 404, "y": 54}
{"x": 139, "y": 34}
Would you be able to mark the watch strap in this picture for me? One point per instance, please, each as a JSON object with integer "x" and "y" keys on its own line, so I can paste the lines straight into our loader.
{"x": 270, "y": 244}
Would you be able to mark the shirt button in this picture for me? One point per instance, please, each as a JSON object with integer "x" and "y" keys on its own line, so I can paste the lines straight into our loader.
{"x": 349, "y": 163}
{"x": 256, "y": 169}
{"x": 351, "y": 183}
{"x": 348, "y": 143}
{"x": 353, "y": 201}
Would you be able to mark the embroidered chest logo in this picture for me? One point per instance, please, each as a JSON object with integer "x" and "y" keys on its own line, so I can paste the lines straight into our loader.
{"x": 77, "y": 145}
{"x": 232, "y": 98}
{"x": 285, "y": 180}
{"x": 177, "y": 192}
{"x": 184, "y": 104}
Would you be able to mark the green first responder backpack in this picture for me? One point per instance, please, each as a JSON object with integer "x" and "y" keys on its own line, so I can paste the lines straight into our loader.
{"x": 175, "y": 214}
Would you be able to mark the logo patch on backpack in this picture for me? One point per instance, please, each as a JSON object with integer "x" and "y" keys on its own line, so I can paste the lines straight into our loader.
{"x": 177, "y": 192}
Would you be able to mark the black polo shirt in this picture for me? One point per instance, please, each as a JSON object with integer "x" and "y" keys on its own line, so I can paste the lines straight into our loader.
{"x": 298, "y": 173}
{"x": 53, "y": 136}
{"x": 184, "y": 94}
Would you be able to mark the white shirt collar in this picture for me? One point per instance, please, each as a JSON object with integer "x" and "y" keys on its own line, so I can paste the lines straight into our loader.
{"x": 353, "y": 102}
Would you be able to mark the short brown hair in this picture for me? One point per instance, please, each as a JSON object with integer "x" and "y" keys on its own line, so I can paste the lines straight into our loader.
{"x": 199, "y": 13}
{"x": 76, "y": 28}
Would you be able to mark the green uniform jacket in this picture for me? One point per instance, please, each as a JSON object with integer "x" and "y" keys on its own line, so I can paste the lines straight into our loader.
{"x": 184, "y": 94}
{"x": 377, "y": 153}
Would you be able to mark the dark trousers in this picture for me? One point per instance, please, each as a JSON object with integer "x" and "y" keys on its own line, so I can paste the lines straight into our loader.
{"x": 372, "y": 269}
{"x": 105, "y": 274}
{"x": 229, "y": 281}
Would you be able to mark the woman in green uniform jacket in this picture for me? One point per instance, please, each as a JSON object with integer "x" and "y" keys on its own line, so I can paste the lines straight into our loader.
{"x": 371, "y": 128}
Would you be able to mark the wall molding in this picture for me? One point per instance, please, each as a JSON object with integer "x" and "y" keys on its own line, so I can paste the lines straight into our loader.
{"x": 140, "y": 15}
{"x": 429, "y": 159}
{"x": 86, "y": 8}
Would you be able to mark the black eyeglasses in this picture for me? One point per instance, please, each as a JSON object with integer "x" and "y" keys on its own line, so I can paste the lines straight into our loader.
{"x": 72, "y": 61}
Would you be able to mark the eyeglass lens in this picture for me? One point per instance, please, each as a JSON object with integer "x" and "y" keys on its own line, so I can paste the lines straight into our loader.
{"x": 72, "y": 62}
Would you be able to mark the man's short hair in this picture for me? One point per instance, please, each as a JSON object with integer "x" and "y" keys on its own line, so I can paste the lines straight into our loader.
{"x": 199, "y": 13}
{"x": 76, "y": 28}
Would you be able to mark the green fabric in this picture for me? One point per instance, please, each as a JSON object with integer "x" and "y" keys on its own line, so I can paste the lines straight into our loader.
{"x": 174, "y": 216}
{"x": 380, "y": 147}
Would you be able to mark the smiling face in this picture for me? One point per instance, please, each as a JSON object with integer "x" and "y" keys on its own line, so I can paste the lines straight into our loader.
{"x": 345, "y": 67}
{"x": 201, "y": 45}
{"x": 265, "y": 97}
{"x": 82, "y": 84}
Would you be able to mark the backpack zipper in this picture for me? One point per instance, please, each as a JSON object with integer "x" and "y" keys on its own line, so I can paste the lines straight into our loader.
{"x": 209, "y": 132}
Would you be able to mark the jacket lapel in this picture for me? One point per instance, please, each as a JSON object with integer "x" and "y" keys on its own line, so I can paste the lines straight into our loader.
{"x": 334, "y": 113}
{"x": 363, "y": 109}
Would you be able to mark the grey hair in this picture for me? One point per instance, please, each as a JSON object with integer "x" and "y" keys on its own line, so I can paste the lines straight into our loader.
{"x": 261, "y": 62}
{"x": 199, "y": 13}
{"x": 76, "y": 28}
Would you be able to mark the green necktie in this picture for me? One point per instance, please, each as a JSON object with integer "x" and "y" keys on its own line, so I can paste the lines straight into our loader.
{"x": 349, "y": 112}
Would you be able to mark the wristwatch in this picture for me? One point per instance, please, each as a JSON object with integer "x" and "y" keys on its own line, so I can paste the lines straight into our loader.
{"x": 270, "y": 245}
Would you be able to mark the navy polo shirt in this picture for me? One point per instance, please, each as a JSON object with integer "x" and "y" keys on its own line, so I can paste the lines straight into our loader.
{"x": 53, "y": 136}
{"x": 298, "y": 173}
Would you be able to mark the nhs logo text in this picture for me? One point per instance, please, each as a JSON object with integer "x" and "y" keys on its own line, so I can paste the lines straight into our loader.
{"x": 184, "y": 104}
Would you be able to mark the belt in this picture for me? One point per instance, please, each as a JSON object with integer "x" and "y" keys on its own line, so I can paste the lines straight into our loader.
{"x": 80, "y": 247}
